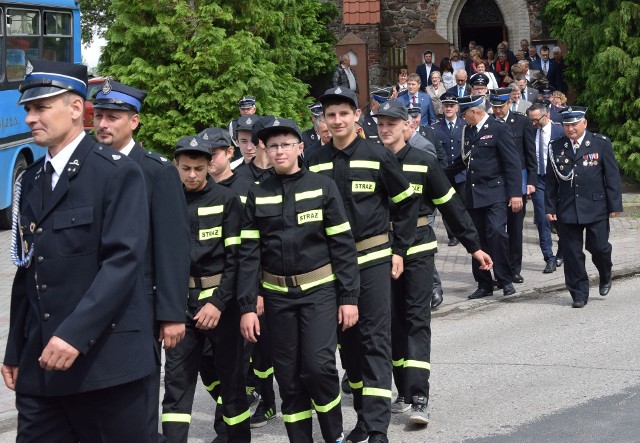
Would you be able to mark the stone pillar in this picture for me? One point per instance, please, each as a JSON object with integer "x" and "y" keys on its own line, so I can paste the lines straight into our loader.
{"x": 357, "y": 49}
{"x": 426, "y": 39}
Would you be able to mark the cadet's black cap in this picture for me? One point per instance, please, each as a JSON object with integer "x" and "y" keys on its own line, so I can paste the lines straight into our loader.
{"x": 259, "y": 124}
{"x": 479, "y": 79}
{"x": 414, "y": 109}
{"x": 393, "y": 108}
{"x": 469, "y": 101}
{"x": 217, "y": 137}
{"x": 498, "y": 97}
{"x": 115, "y": 95}
{"x": 449, "y": 99}
{"x": 247, "y": 101}
{"x": 573, "y": 114}
{"x": 194, "y": 144}
{"x": 46, "y": 79}
{"x": 316, "y": 108}
{"x": 341, "y": 94}
{"x": 245, "y": 123}
{"x": 275, "y": 124}
{"x": 381, "y": 95}
{"x": 546, "y": 92}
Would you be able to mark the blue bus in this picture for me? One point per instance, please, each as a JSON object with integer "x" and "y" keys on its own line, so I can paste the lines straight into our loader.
{"x": 38, "y": 29}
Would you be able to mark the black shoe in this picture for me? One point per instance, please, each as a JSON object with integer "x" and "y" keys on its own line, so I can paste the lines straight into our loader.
{"x": 551, "y": 267}
{"x": 480, "y": 293}
{"x": 605, "y": 287}
{"x": 559, "y": 261}
{"x": 252, "y": 396}
{"x": 578, "y": 304}
{"x": 263, "y": 415}
{"x": 358, "y": 435}
{"x": 436, "y": 299}
{"x": 517, "y": 278}
{"x": 378, "y": 437}
{"x": 344, "y": 385}
{"x": 508, "y": 289}
{"x": 220, "y": 438}
{"x": 453, "y": 242}
{"x": 419, "y": 414}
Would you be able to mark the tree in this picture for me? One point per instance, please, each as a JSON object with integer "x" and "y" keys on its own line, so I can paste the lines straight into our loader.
{"x": 603, "y": 62}
{"x": 96, "y": 17}
{"x": 197, "y": 58}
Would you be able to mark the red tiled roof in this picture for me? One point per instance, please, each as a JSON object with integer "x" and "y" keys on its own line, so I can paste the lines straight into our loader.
{"x": 361, "y": 12}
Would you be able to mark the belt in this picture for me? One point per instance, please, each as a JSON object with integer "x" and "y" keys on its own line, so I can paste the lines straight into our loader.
{"x": 300, "y": 279}
{"x": 422, "y": 221}
{"x": 372, "y": 242}
{"x": 205, "y": 282}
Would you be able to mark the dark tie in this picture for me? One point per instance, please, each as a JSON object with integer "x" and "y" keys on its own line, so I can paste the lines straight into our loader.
{"x": 46, "y": 184}
{"x": 544, "y": 67}
{"x": 414, "y": 99}
{"x": 450, "y": 127}
{"x": 472, "y": 132}
{"x": 524, "y": 94}
{"x": 541, "y": 165}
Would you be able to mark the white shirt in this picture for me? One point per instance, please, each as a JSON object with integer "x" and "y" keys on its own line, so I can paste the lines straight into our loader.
{"x": 59, "y": 162}
{"x": 128, "y": 147}
{"x": 545, "y": 132}
{"x": 579, "y": 141}
{"x": 482, "y": 122}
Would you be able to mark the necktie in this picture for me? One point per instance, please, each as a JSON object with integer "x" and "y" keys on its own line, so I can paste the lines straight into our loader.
{"x": 514, "y": 107}
{"x": 544, "y": 67}
{"x": 414, "y": 99}
{"x": 460, "y": 91}
{"x": 46, "y": 184}
{"x": 524, "y": 94}
{"x": 450, "y": 127}
{"x": 541, "y": 164}
{"x": 576, "y": 145}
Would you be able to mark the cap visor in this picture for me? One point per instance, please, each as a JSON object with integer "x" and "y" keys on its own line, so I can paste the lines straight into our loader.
{"x": 40, "y": 92}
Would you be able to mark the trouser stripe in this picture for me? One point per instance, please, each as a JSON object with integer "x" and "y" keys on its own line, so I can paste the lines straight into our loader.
{"x": 298, "y": 416}
{"x": 377, "y": 392}
{"x": 329, "y": 406}
{"x": 176, "y": 417}
{"x": 237, "y": 419}
{"x": 417, "y": 364}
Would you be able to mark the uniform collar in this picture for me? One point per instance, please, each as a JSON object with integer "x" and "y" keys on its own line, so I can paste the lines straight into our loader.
{"x": 59, "y": 162}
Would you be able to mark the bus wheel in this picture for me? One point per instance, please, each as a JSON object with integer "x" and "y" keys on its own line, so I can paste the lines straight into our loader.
{"x": 5, "y": 214}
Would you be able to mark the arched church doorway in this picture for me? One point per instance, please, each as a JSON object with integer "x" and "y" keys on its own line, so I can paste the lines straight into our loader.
{"x": 482, "y": 21}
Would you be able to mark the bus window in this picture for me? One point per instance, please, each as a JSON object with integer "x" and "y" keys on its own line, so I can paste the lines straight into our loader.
{"x": 57, "y": 40}
{"x": 23, "y": 32}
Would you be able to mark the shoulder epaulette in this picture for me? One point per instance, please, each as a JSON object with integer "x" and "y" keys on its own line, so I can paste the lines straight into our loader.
{"x": 112, "y": 155}
{"x": 603, "y": 137}
{"x": 157, "y": 157}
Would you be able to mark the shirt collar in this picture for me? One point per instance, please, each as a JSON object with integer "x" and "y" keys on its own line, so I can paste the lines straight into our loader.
{"x": 128, "y": 147}
{"x": 482, "y": 122}
{"x": 59, "y": 162}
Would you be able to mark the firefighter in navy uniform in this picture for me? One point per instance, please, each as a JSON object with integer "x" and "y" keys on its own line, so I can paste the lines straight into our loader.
{"x": 369, "y": 179}
{"x": 524, "y": 138}
{"x": 296, "y": 232}
{"x": 310, "y": 137}
{"x": 411, "y": 294}
{"x": 215, "y": 217}
{"x": 493, "y": 187}
{"x": 166, "y": 267}
{"x": 79, "y": 348}
{"x": 583, "y": 190}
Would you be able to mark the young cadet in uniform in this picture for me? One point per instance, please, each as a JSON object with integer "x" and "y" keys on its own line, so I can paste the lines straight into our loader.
{"x": 246, "y": 106}
{"x": 166, "y": 268}
{"x": 80, "y": 349}
{"x": 368, "y": 178}
{"x": 493, "y": 187}
{"x": 411, "y": 293}
{"x": 524, "y": 141}
{"x": 296, "y": 231}
{"x": 583, "y": 190}
{"x": 259, "y": 168}
{"x": 215, "y": 216}
{"x": 243, "y": 140}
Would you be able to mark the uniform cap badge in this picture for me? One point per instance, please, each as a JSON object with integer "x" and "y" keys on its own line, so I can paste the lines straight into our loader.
{"x": 249, "y": 121}
{"x": 205, "y": 136}
{"x": 106, "y": 88}
{"x": 193, "y": 143}
{"x": 386, "y": 106}
{"x": 338, "y": 90}
{"x": 569, "y": 109}
{"x": 276, "y": 122}
{"x": 29, "y": 68}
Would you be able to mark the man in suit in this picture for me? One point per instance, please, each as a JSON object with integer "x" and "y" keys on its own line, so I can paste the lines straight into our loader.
{"x": 80, "y": 348}
{"x": 533, "y": 57}
{"x": 546, "y": 131}
{"x": 166, "y": 267}
{"x": 525, "y": 81}
{"x": 425, "y": 69}
{"x": 493, "y": 186}
{"x": 516, "y": 104}
{"x": 416, "y": 97}
{"x": 449, "y": 131}
{"x": 461, "y": 88}
{"x": 523, "y": 139}
{"x": 550, "y": 69}
{"x": 583, "y": 190}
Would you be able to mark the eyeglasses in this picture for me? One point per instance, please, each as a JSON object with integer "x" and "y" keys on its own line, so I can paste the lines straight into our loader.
{"x": 287, "y": 147}
{"x": 535, "y": 121}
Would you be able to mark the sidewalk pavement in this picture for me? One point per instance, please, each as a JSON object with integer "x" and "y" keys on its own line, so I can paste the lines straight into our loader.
{"x": 453, "y": 263}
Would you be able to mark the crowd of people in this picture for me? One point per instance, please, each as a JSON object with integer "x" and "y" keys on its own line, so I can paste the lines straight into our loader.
{"x": 307, "y": 243}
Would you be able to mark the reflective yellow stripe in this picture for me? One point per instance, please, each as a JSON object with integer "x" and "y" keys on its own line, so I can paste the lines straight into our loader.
{"x": 308, "y": 194}
{"x": 321, "y": 167}
{"x": 250, "y": 233}
{"x": 206, "y": 293}
{"x": 237, "y": 419}
{"x": 338, "y": 229}
{"x": 176, "y": 417}
{"x": 364, "y": 164}
{"x": 421, "y": 248}
{"x": 377, "y": 392}
{"x": 356, "y": 385}
{"x": 417, "y": 364}
{"x": 269, "y": 200}
{"x": 219, "y": 400}
{"x": 243, "y": 199}
{"x": 339, "y": 346}
{"x": 374, "y": 256}
{"x": 445, "y": 198}
{"x": 398, "y": 363}
{"x": 212, "y": 385}
{"x": 209, "y": 210}
{"x": 232, "y": 241}
{"x": 263, "y": 374}
{"x": 404, "y": 194}
{"x": 292, "y": 418}
{"x": 328, "y": 406}
{"x": 415, "y": 168}
{"x": 207, "y": 234}
{"x": 274, "y": 287}
{"x": 313, "y": 284}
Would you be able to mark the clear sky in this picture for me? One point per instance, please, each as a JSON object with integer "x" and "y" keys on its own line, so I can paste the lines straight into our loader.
{"x": 91, "y": 53}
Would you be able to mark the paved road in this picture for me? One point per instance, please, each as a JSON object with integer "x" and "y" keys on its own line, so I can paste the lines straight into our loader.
{"x": 509, "y": 367}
